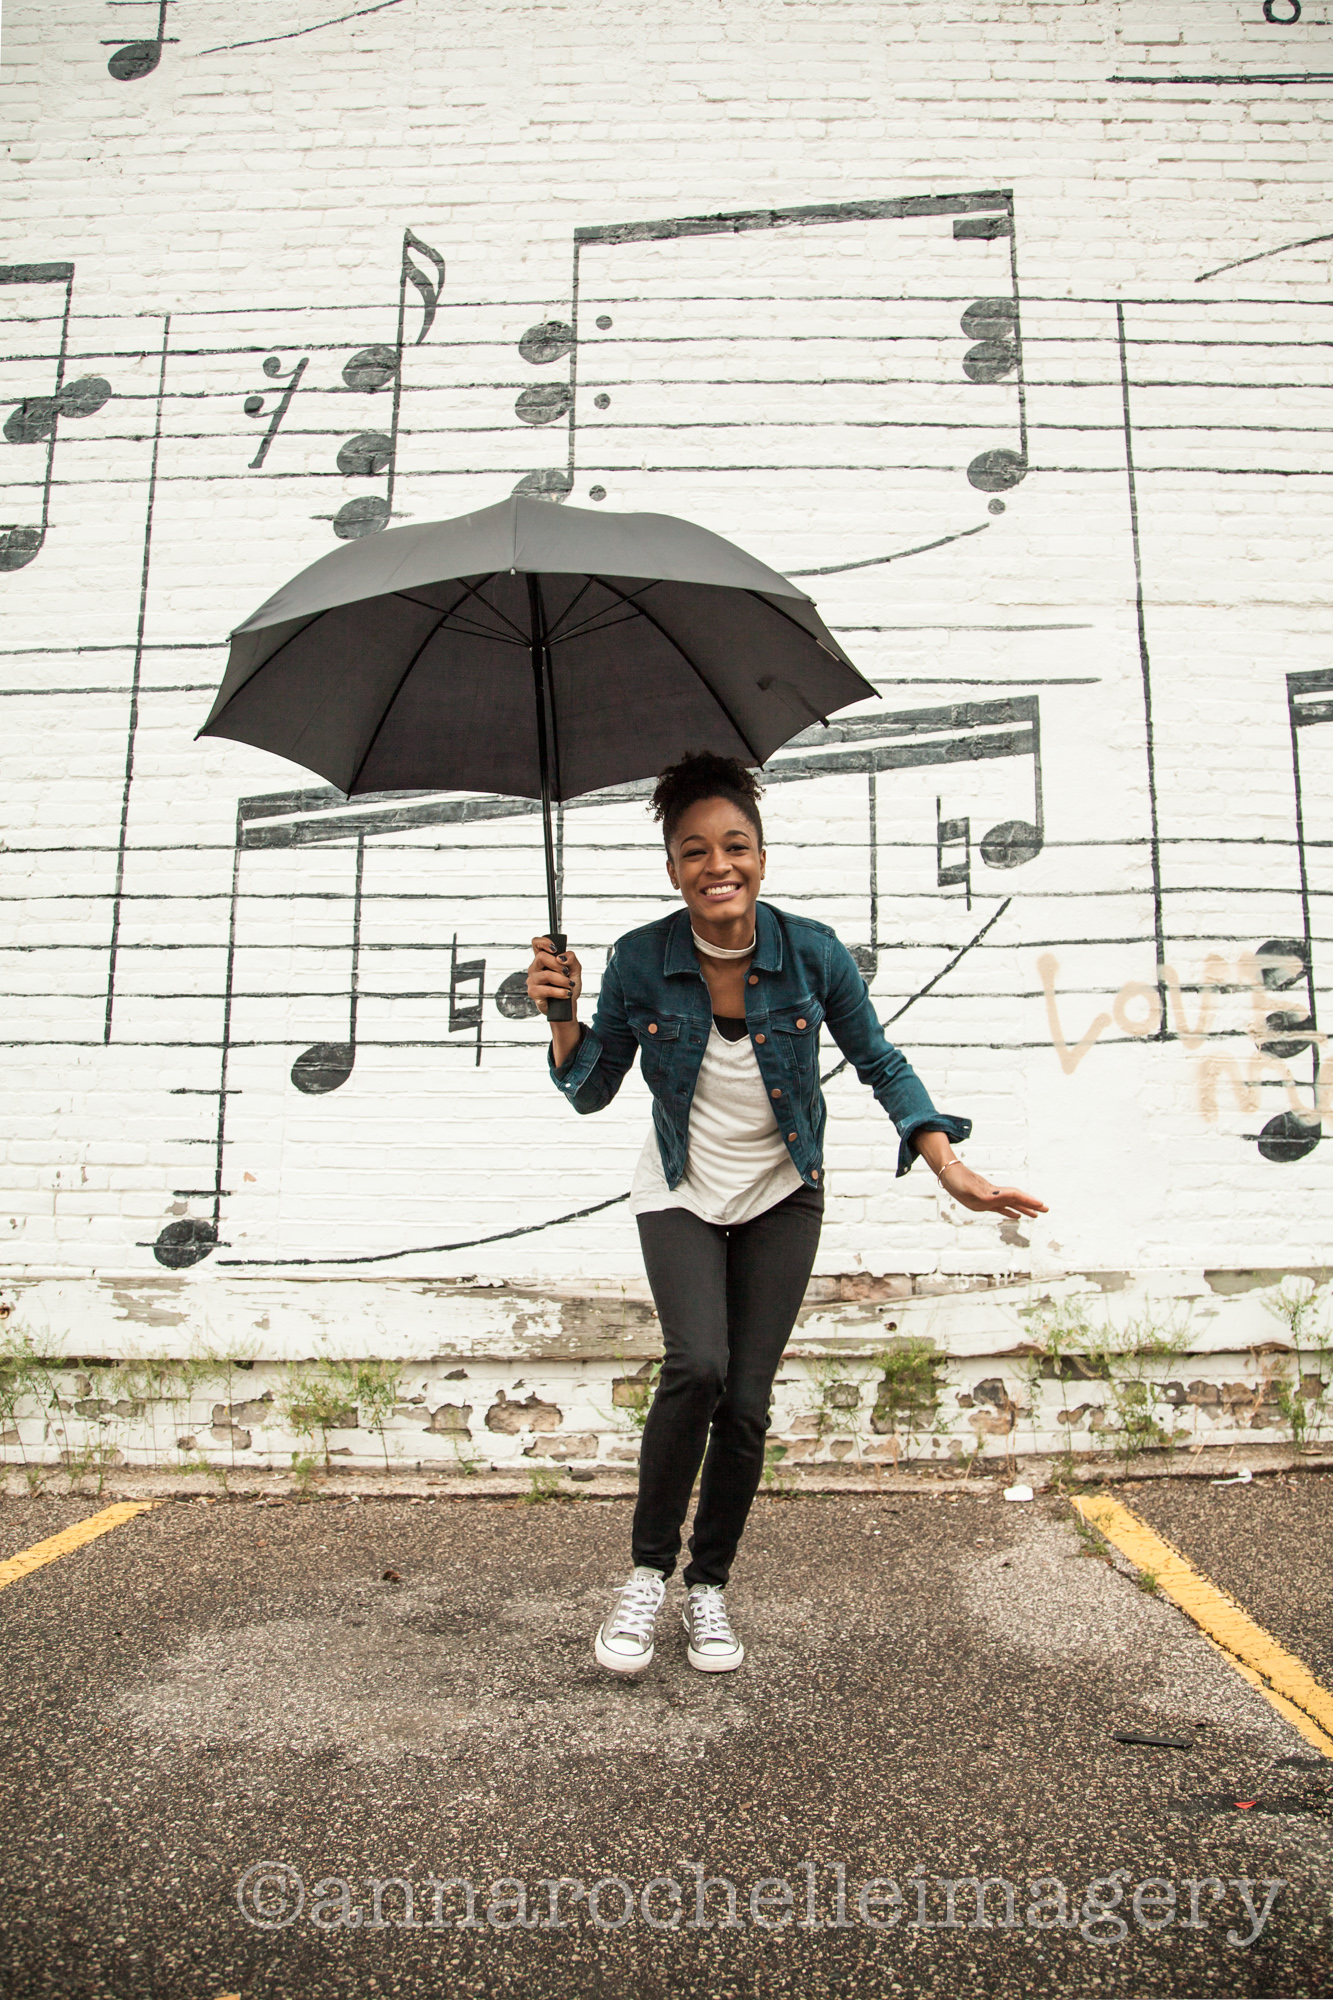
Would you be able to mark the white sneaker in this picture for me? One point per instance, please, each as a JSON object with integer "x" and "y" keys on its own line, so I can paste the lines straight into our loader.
{"x": 625, "y": 1642}
{"x": 712, "y": 1645}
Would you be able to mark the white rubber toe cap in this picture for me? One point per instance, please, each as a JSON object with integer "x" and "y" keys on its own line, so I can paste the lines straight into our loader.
{"x": 716, "y": 1661}
{"x": 617, "y": 1662}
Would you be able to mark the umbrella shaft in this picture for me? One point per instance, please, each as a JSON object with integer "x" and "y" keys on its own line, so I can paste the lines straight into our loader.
{"x": 552, "y": 905}
{"x": 542, "y": 691}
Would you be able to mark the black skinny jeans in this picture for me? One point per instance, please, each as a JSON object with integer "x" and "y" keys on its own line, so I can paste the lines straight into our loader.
{"x": 727, "y": 1300}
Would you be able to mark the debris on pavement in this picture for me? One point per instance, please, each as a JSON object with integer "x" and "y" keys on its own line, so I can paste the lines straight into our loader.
{"x": 1280, "y": 1805}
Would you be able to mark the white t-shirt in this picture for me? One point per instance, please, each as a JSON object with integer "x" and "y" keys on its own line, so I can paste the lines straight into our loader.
{"x": 738, "y": 1162}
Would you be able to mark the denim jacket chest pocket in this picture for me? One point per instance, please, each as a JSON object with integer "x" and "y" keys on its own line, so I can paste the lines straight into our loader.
{"x": 658, "y": 1037}
{"x": 794, "y": 1029}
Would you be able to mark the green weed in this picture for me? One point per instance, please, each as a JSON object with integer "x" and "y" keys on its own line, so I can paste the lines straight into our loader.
{"x": 304, "y": 1467}
{"x": 773, "y": 1457}
{"x": 1302, "y": 1398}
{"x": 632, "y": 1395}
{"x": 910, "y": 1385}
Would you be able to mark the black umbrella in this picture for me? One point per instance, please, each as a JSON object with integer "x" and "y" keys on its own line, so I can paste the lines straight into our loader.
{"x": 534, "y": 650}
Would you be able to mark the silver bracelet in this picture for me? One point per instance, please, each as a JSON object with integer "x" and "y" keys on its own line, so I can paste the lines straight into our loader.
{"x": 940, "y": 1172}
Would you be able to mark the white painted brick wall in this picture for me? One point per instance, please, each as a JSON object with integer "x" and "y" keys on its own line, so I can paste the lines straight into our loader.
{"x": 800, "y": 389}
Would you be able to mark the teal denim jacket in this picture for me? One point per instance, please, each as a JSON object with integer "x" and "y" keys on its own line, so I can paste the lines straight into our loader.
{"x": 655, "y": 999}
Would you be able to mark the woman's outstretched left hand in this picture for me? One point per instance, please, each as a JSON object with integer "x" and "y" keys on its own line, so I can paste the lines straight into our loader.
{"x": 973, "y": 1191}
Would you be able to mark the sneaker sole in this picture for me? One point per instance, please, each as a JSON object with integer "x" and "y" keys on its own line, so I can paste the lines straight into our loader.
{"x": 616, "y": 1663}
{"x": 709, "y": 1663}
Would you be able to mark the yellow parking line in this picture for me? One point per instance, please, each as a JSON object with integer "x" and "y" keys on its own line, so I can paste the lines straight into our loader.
{"x": 1283, "y": 1680}
{"x": 59, "y": 1545}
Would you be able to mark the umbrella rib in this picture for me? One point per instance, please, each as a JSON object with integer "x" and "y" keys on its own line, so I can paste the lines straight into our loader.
{"x": 290, "y": 640}
{"x": 694, "y": 669}
{"x": 631, "y": 599}
{"x": 592, "y": 617}
{"x": 388, "y": 706}
{"x": 492, "y": 608}
{"x": 591, "y": 625}
{"x": 587, "y": 586}
{"x": 759, "y": 598}
{"x": 474, "y": 629}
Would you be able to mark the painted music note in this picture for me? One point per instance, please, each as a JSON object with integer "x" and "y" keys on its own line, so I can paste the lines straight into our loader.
{"x": 254, "y": 404}
{"x": 373, "y": 454}
{"x": 1287, "y": 964}
{"x": 953, "y": 869}
{"x": 544, "y": 403}
{"x": 326, "y": 1066}
{"x": 511, "y": 998}
{"x": 466, "y": 1013}
{"x": 36, "y": 419}
{"x": 133, "y": 60}
{"x": 806, "y": 379}
{"x": 965, "y": 732}
{"x": 986, "y": 732}
{"x": 998, "y": 351}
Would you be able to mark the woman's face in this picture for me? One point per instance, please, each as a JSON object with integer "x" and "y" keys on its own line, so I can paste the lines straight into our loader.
{"x": 717, "y": 864}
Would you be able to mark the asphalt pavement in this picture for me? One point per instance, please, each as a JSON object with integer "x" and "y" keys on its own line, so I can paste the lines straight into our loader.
{"x": 225, "y": 1723}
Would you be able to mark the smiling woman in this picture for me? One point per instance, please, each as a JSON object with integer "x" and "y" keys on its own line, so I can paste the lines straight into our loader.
{"x": 724, "y": 1001}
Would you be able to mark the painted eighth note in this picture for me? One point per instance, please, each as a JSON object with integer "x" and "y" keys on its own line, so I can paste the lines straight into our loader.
{"x": 373, "y": 454}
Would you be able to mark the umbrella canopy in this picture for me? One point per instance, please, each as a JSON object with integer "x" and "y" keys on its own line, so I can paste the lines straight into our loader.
{"x": 533, "y": 650}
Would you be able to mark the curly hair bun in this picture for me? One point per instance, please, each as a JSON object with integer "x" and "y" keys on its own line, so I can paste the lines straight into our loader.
{"x": 706, "y": 776}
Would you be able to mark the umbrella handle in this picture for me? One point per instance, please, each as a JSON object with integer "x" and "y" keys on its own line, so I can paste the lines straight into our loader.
{"x": 559, "y": 1010}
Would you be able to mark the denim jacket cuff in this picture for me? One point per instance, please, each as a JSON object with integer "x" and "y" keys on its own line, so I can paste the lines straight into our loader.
{"x": 574, "y": 1071}
{"x": 954, "y": 1129}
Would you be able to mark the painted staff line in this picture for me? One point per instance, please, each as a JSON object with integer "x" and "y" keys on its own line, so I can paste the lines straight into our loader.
{"x": 294, "y": 34}
{"x": 871, "y": 562}
{"x": 576, "y": 1215}
{"x": 1285, "y": 1682}
{"x": 922, "y": 991}
{"x": 1304, "y": 243}
{"x": 55, "y": 1546}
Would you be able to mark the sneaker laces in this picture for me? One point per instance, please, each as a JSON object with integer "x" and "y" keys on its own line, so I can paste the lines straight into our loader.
{"x": 708, "y": 1616}
{"x": 637, "y": 1607}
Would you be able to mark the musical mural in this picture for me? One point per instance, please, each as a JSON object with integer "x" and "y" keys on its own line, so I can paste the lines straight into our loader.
{"x": 1012, "y": 497}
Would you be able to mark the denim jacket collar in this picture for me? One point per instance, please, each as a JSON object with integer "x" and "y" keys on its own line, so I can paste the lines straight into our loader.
{"x": 681, "y": 956}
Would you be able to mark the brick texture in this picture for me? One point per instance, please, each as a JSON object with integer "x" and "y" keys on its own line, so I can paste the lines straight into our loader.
{"x": 1058, "y": 443}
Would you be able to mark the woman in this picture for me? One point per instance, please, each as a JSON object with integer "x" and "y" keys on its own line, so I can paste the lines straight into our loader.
{"x": 724, "y": 1001}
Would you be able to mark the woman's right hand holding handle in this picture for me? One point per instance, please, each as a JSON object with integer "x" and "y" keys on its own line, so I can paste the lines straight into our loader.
{"x": 553, "y": 976}
{"x": 557, "y": 976}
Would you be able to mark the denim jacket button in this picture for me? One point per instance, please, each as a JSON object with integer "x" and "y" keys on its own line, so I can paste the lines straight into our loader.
{"x": 777, "y": 1093}
{"x": 761, "y": 1038}
{"x": 791, "y": 1138}
{"x": 652, "y": 1027}
{"x": 800, "y": 1024}
{"x": 754, "y": 979}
